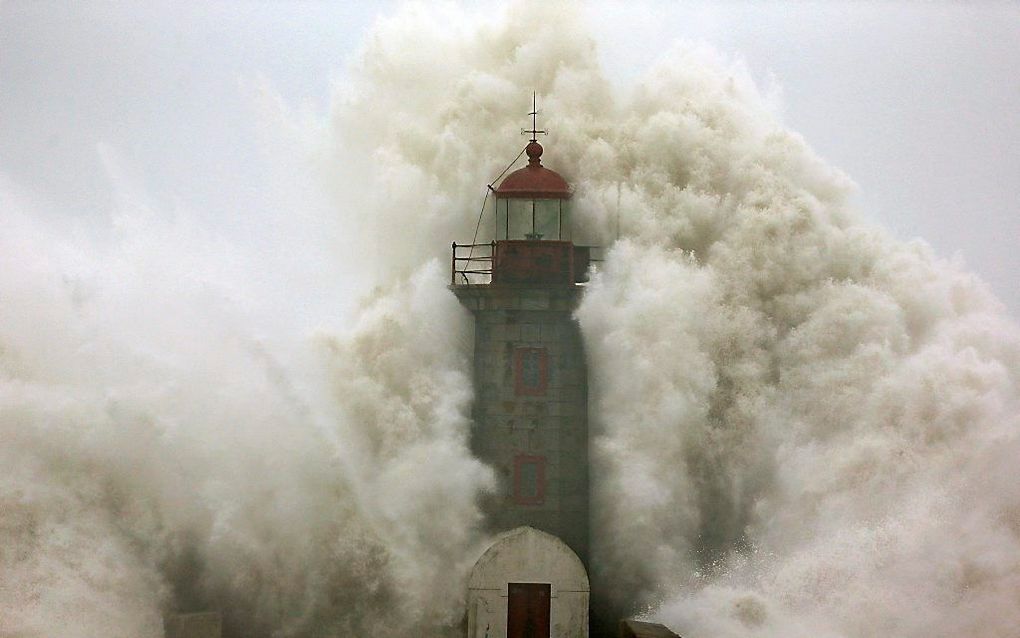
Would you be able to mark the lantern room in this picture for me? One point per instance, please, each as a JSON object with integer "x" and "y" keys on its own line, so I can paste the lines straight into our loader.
{"x": 531, "y": 230}
{"x": 533, "y": 203}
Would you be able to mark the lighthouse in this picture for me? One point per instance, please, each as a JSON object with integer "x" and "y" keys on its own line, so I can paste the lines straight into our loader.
{"x": 530, "y": 414}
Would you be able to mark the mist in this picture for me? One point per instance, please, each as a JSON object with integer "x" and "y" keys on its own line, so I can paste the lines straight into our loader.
{"x": 802, "y": 426}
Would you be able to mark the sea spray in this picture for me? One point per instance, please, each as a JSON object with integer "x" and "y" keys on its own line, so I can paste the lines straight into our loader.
{"x": 752, "y": 342}
{"x": 802, "y": 426}
{"x": 803, "y": 422}
{"x": 165, "y": 450}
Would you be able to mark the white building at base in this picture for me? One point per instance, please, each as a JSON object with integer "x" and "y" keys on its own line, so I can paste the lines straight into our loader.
{"x": 528, "y": 584}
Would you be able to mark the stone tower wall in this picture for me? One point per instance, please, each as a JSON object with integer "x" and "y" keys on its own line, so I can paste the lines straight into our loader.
{"x": 530, "y": 410}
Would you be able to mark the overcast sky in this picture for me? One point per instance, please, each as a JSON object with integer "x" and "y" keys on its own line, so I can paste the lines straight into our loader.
{"x": 917, "y": 102}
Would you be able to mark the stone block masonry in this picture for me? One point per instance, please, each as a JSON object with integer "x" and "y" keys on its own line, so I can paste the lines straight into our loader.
{"x": 530, "y": 411}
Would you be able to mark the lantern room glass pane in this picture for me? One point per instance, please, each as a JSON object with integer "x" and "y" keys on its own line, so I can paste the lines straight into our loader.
{"x": 501, "y": 229}
{"x": 547, "y": 218}
{"x": 532, "y": 219}
{"x": 564, "y": 219}
{"x": 521, "y": 220}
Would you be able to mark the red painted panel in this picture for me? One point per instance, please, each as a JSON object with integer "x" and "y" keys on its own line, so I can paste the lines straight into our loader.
{"x": 531, "y": 371}
{"x": 533, "y": 262}
{"x": 527, "y": 492}
{"x": 527, "y": 613}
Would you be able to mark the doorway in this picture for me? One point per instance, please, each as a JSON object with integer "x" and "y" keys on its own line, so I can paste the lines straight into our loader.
{"x": 528, "y": 610}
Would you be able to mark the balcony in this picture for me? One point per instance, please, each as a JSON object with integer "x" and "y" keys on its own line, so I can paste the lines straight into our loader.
{"x": 519, "y": 262}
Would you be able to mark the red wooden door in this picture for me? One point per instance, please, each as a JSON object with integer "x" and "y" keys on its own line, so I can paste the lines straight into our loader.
{"x": 527, "y": 613}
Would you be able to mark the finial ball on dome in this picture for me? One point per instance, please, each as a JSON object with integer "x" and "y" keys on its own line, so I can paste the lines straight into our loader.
{"x": 534, "y": 151}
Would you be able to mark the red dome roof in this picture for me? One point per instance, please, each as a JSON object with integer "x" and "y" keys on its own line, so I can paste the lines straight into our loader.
{"x": 534, "y": 181}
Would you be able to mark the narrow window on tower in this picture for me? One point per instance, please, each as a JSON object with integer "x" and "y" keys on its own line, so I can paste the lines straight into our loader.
{"x": 529, "y": 480}
{"x": 531, "y": 371}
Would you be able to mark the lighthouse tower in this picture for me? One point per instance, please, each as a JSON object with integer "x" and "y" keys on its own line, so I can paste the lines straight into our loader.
{"x": 530, "y": 416}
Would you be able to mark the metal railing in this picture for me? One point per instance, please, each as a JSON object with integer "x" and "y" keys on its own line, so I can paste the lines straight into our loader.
{"x": 472, "y": 268}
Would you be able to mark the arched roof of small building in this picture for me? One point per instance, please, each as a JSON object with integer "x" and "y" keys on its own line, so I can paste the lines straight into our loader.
{"x": 525, "y": 554}
{"x": 534, "y": 181}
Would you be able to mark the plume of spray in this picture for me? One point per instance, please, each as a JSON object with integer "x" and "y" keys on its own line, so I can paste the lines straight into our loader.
{"x": 190, "y": 420}
{"x": 807, "y": 426}
{"x": 802, "y": 426}
{"x": 165, "y": 450}
{"x": 796, "y": 413}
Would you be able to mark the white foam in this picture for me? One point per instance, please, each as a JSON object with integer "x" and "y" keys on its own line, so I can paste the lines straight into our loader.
{"x": 802, "y": 426}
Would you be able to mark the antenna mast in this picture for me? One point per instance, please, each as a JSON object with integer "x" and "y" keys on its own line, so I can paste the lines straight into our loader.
{"x": 535, "y": 132}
